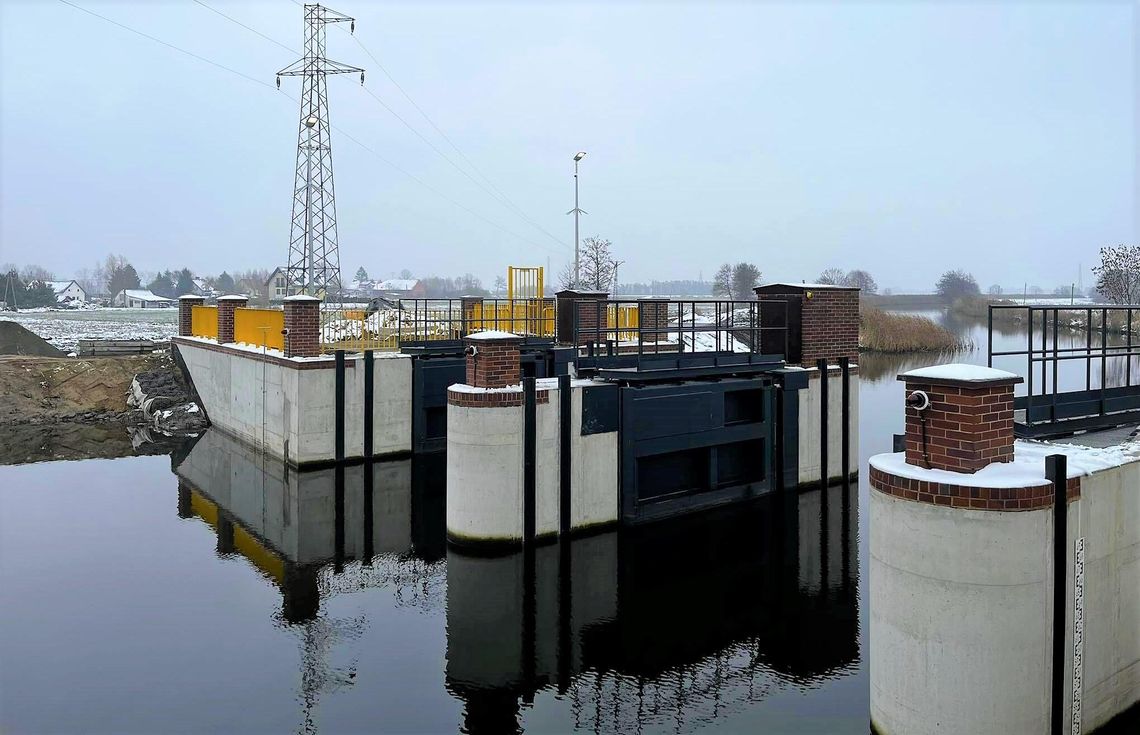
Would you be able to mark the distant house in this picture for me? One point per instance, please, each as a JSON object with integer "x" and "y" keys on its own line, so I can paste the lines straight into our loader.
{"x": 277, "y": 286}
{"x": 400, "y": 288}
{"x": 140, "y": 299}
{"x": 67, "y": 291}
{"x": 203, "y": 288}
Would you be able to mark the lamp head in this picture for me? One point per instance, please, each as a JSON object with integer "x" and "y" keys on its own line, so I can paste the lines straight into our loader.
{"x": 580, "y": 155}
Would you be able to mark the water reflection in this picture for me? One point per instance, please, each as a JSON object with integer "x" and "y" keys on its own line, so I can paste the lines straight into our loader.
{"x": 675, "y": 624}
{"x": 671, "y": 625}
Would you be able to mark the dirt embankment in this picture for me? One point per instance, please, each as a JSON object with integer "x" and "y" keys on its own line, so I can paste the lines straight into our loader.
{"x": 41, "y": 390}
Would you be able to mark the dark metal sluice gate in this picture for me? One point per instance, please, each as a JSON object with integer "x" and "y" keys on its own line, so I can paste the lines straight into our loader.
{"x": 693, "y": 446}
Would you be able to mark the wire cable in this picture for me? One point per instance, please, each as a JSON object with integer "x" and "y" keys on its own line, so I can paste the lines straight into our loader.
{"x": 337, "y": 128}
{"x": 248, "y": 28}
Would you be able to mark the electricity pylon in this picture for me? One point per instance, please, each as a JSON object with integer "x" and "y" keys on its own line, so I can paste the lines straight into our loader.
{"x": 314, "y": 260}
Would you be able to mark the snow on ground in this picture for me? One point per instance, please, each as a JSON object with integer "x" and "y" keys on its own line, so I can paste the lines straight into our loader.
{"x": 65, "y": 327}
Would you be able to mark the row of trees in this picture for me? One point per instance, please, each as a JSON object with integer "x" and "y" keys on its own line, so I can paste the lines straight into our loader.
{"x": 736, "y": 281}
{"x": 17, "y": 291}
{"x": 860, "y": 279}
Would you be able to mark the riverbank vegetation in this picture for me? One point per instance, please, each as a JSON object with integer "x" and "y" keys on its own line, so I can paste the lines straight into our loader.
{"x": 881, "y": 331}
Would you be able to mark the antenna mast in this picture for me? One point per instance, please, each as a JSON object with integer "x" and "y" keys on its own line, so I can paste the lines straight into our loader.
{"x": 314, "y": 259}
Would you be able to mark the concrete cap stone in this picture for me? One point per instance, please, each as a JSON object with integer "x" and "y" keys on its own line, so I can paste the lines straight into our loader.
{"x": 191, "y": 296}
{"x": 233, "y": 297}
{"x": 300, "y": 298}
{"x": 493, "y": 335}
{"x": 972, "y": 376}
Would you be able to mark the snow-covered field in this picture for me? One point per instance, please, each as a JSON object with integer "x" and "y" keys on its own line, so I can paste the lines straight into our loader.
{"x": 64, "y": 328}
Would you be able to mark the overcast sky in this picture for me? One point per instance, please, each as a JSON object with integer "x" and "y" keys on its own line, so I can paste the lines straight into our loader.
{"x": 901, "y": 137}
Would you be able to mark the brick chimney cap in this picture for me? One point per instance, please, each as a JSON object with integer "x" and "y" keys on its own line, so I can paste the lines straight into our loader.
{"x": 959, "y": 374}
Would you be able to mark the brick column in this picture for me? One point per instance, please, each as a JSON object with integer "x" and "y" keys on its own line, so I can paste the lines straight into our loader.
{"x": 226, "y": 306}
{"x": 302, "y": 326}
{"x": 969, "y": 422}
{"x": 586, "y": 312}
{"x": 495, "y": 363}
{"x": 653, "y": 315}
{"x": 822, "y": 320}
{"x": 467, "y": 304}
{"x": 186, "y": 306}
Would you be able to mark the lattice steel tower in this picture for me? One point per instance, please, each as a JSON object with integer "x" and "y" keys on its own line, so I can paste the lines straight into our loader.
{"x": 314, "y": 260}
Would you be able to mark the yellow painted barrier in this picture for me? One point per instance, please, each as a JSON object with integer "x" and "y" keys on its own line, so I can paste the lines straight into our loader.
{"x": 524, "y": 317}
{"x": 204, "y": 321}
{"x": 260, "y": 327}
{"x": 524, "y": 283}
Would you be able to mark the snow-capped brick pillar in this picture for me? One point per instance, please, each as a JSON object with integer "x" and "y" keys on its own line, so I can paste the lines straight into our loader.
{"x": 302, "y": 326}
{"x": 492, "y": 359}
{"x": 822, "y": 320}
{"x": 186, "y": 306}
{"x": 968, "y": 423}
{"x": 226, "y": 306}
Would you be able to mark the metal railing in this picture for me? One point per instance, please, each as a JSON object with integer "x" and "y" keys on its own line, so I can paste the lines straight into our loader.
{"x": 204, "y": 321}
{"x": 681, "y": 326}
{"x": 1108, "y": 352}
{"x": 389, "y": 326}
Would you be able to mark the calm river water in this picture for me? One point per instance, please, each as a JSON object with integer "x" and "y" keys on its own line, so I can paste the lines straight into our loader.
{"x": 210, "y": 591}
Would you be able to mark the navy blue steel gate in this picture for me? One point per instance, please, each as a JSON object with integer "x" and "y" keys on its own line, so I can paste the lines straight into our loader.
{"x": 696, "y": 445}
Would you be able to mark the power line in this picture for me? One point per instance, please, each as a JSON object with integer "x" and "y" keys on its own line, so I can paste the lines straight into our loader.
{"x": 454, "y": 147}
{"x": 494, "y": 192}
{"x": 338, "y": 129}
{"x": 191, "y": 54}
{"x": 248, "y": 28}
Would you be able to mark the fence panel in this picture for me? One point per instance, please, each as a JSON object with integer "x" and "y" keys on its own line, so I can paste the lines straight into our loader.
{"x": 261, "y": 327}
{"x": 204, "y": 321}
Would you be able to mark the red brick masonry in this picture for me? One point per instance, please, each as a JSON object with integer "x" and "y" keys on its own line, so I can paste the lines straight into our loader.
{"x": 498, "y": 399}
{"x": 829, "y": 319}
{"x": 226, "y": 306}
{"x": 495, "y": 363}
{"x": 967, "y": 427}
{"x": 303, "y": 327}
{"x": 978, "y": 498}
{"x": 186, "y": 306}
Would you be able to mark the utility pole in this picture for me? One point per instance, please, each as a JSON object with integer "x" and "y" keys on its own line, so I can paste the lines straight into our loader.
{"x": 577, "y": 211}
{"x": 314, "y": 258}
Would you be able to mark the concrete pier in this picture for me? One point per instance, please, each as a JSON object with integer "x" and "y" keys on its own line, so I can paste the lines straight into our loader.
{"x": 962, "y": 571}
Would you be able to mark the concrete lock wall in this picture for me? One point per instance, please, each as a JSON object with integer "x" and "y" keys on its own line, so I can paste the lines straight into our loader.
{"x": 1107, "y": 517}
{"x": 289, "y": 407}
{"x": 485, "y": 470}
{"x": 962, "y": 611}
{"x": 810, "y": 428}
{"x": 295, "y": 512}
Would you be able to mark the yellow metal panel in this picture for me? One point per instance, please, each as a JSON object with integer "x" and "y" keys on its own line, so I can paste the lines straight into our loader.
{"x": 264, "y": 559}
{"x": 204, "y": 321}
{"x": 524, "y": 282}
{"x": 260, "y": 327}
{"x": 203, "y": 508}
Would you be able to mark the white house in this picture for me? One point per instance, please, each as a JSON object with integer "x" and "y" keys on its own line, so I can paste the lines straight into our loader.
{"x": 140, "y": 299}
{"x": 277, "y": 287}
{"x": 66, "y": 291}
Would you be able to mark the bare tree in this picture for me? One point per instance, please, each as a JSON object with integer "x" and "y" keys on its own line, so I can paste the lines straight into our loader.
{"x": 995, "y": 290}
{"x": 1118, "y": 275}
{"x": 862, "y": 280}
{"x": 597, "y": 264}
{"x": 722, "y": 281}
{"x": 500, "y": 286}
{"x": 34, "y": 272}
{"x": 833, "y": 277}
{"x": 566, "y": 276}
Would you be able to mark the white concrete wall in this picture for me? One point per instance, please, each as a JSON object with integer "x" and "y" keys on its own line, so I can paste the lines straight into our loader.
{"x": 291, "y": 413}
{"x": 485, "y": 474}
{"x": 960, "y": 625}
{"x": 1108, "y": 517}
{"x": 810, "y": 428}
{"x": 295, "y": 512}
{"x": 962, "y": 609}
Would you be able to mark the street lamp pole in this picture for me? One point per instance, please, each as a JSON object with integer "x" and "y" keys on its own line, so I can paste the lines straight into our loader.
{"x": 577, "y": 211}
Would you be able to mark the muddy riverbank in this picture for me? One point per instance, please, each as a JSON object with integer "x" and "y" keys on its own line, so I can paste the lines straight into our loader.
{"x": 49, "y": 390}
